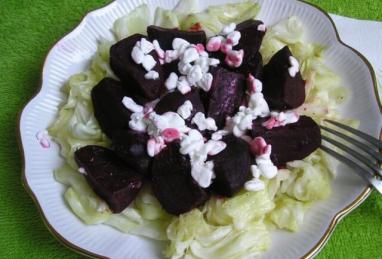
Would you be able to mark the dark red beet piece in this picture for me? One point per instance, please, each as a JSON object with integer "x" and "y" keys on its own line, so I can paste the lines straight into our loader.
{"x": 168, "y": 68}
{"x": 226, "y": 94}
{"x": 172, "y": 182}
{"x": 166, "y": 36}
{"x": 109, "y": 111}
{"x": 292, "y": 142}
{"x": 132, "y": 74}
{"x": 231, "y": 166}
{"x": 172, "y": 101}
{"x": 252, "y": 64}
{"x": 281, "y": 91}
{"x": 131, "y": 147}
{"x": 109, "y": 177}
{"x": 251, "y": 37}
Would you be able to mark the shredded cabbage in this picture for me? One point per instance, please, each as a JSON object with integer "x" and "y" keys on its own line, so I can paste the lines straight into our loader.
{"x": 165, "y": 18}
{"x": 81, "y": 198}
{"x": 191, "y": 236}
{"x": 238, "y": 211}
{"x": 234, "y": 13}
{"x": 186, "y": 7}
{"x": 288, "y": 213}
{"x": 215, "y": 17}
{"x": 145, "y": 217}
{"x": 135, "y": 22}
{"x": 223, "y": 228}
{"x": 210, "y": 24}
{"x": 76, "y": 125}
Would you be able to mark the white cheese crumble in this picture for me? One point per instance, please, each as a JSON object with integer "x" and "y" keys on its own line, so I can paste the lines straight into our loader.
{"x": 137, "y": 122}
{"x": 137, "y": 55}
{"x": 180, "y": 44}
{"x": 204, "y": 123}
{"x": 130, "y": 104}
{"x": 206, "y": 82}
{"x": 218, "y": 135}
{"x": 140, "y": 55}
{"x": 171, "y": 81}
{"x": 261, "y": 27}
{"x": 241, "y": 122}
{"x": 102, "y": 206}
{"x": 257, "y": 107}
{"x": 184, "y": 68}
{"x": 234, "y": 37}
{"x": 146, "y": 46}
{"x": 228, "y": 29}
{"x": 202, "y": 173}
{"x": 264, "y": 168}
{"x": 279, "y": 119}
{"x": 190, "y": 55}
{"x": 185, "y": 110}
{"x": 183, "y": 85}
{"x": 194, "y": 75}
{"x": 193, "y": 145}
{"x": 148, "y": 62}
{"x": 225, "y": 42}
{"x": 214, "y": 43}
{"x": 81, "y": 170}
{"x": 254, "y": 185}
{"x": 158, "y": 50}
{"x": 193, "y": 65}
{"x": 152, "y": 75}
{"x": 294, "y": 66}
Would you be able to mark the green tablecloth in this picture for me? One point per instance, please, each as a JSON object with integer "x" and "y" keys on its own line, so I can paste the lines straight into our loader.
{"x": 28, "y": 28}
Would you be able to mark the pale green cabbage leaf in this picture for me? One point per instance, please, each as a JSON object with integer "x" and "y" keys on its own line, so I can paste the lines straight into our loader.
{"x": 135, "y": 22}
{"x": 234, "y": 13}
{"x": 166, "y": 18}
{"x": 215, "y": 17}
{"x": 288, "y": 213}
{"x": 81, "y": 198}
{"x": 191, "y": 236}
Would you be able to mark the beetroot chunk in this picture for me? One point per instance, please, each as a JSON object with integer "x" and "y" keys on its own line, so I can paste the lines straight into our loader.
{"x": 133, "y": 74}
{"x": 109, "y": 111}
{"x": 172, "y": 101}
{"x": 173, "y": 184}
{"x": 291, "y": 142}
{"x": 166, "y": 36}
{"x": 252, "y": 64}
{"x": 131, "y": 147}
{"x": 251, "y": 37}
{"x": 282, "y": 91}
{"x": 231, "y": 166}
{"x": 108, "y": 176}
{"x": 225, "y": 96}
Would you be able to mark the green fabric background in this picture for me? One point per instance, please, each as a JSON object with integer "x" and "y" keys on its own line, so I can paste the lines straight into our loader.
{"x": 28, "y": 28}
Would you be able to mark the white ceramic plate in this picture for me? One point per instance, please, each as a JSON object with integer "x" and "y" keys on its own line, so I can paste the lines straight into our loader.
{"x": 72, "y": 54}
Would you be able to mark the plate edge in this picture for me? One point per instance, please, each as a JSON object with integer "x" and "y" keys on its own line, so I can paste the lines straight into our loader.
{"x": 24, "y": 182}
{"x": 362, "y": 197}
{"x": 312, "y": 252}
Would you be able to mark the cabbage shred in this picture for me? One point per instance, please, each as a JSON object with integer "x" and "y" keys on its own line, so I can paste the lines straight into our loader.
{"x": 223, "y": 228}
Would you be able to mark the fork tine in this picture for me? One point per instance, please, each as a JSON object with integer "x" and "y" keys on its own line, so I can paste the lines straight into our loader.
{"x": 358, "y": 133}
{"x": 355, "y": 142}
{"x": 355, "y": 154}
{"x": 359, "y": 169}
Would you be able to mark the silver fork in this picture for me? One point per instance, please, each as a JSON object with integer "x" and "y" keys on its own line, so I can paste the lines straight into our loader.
{"x": 366, "y": 165}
